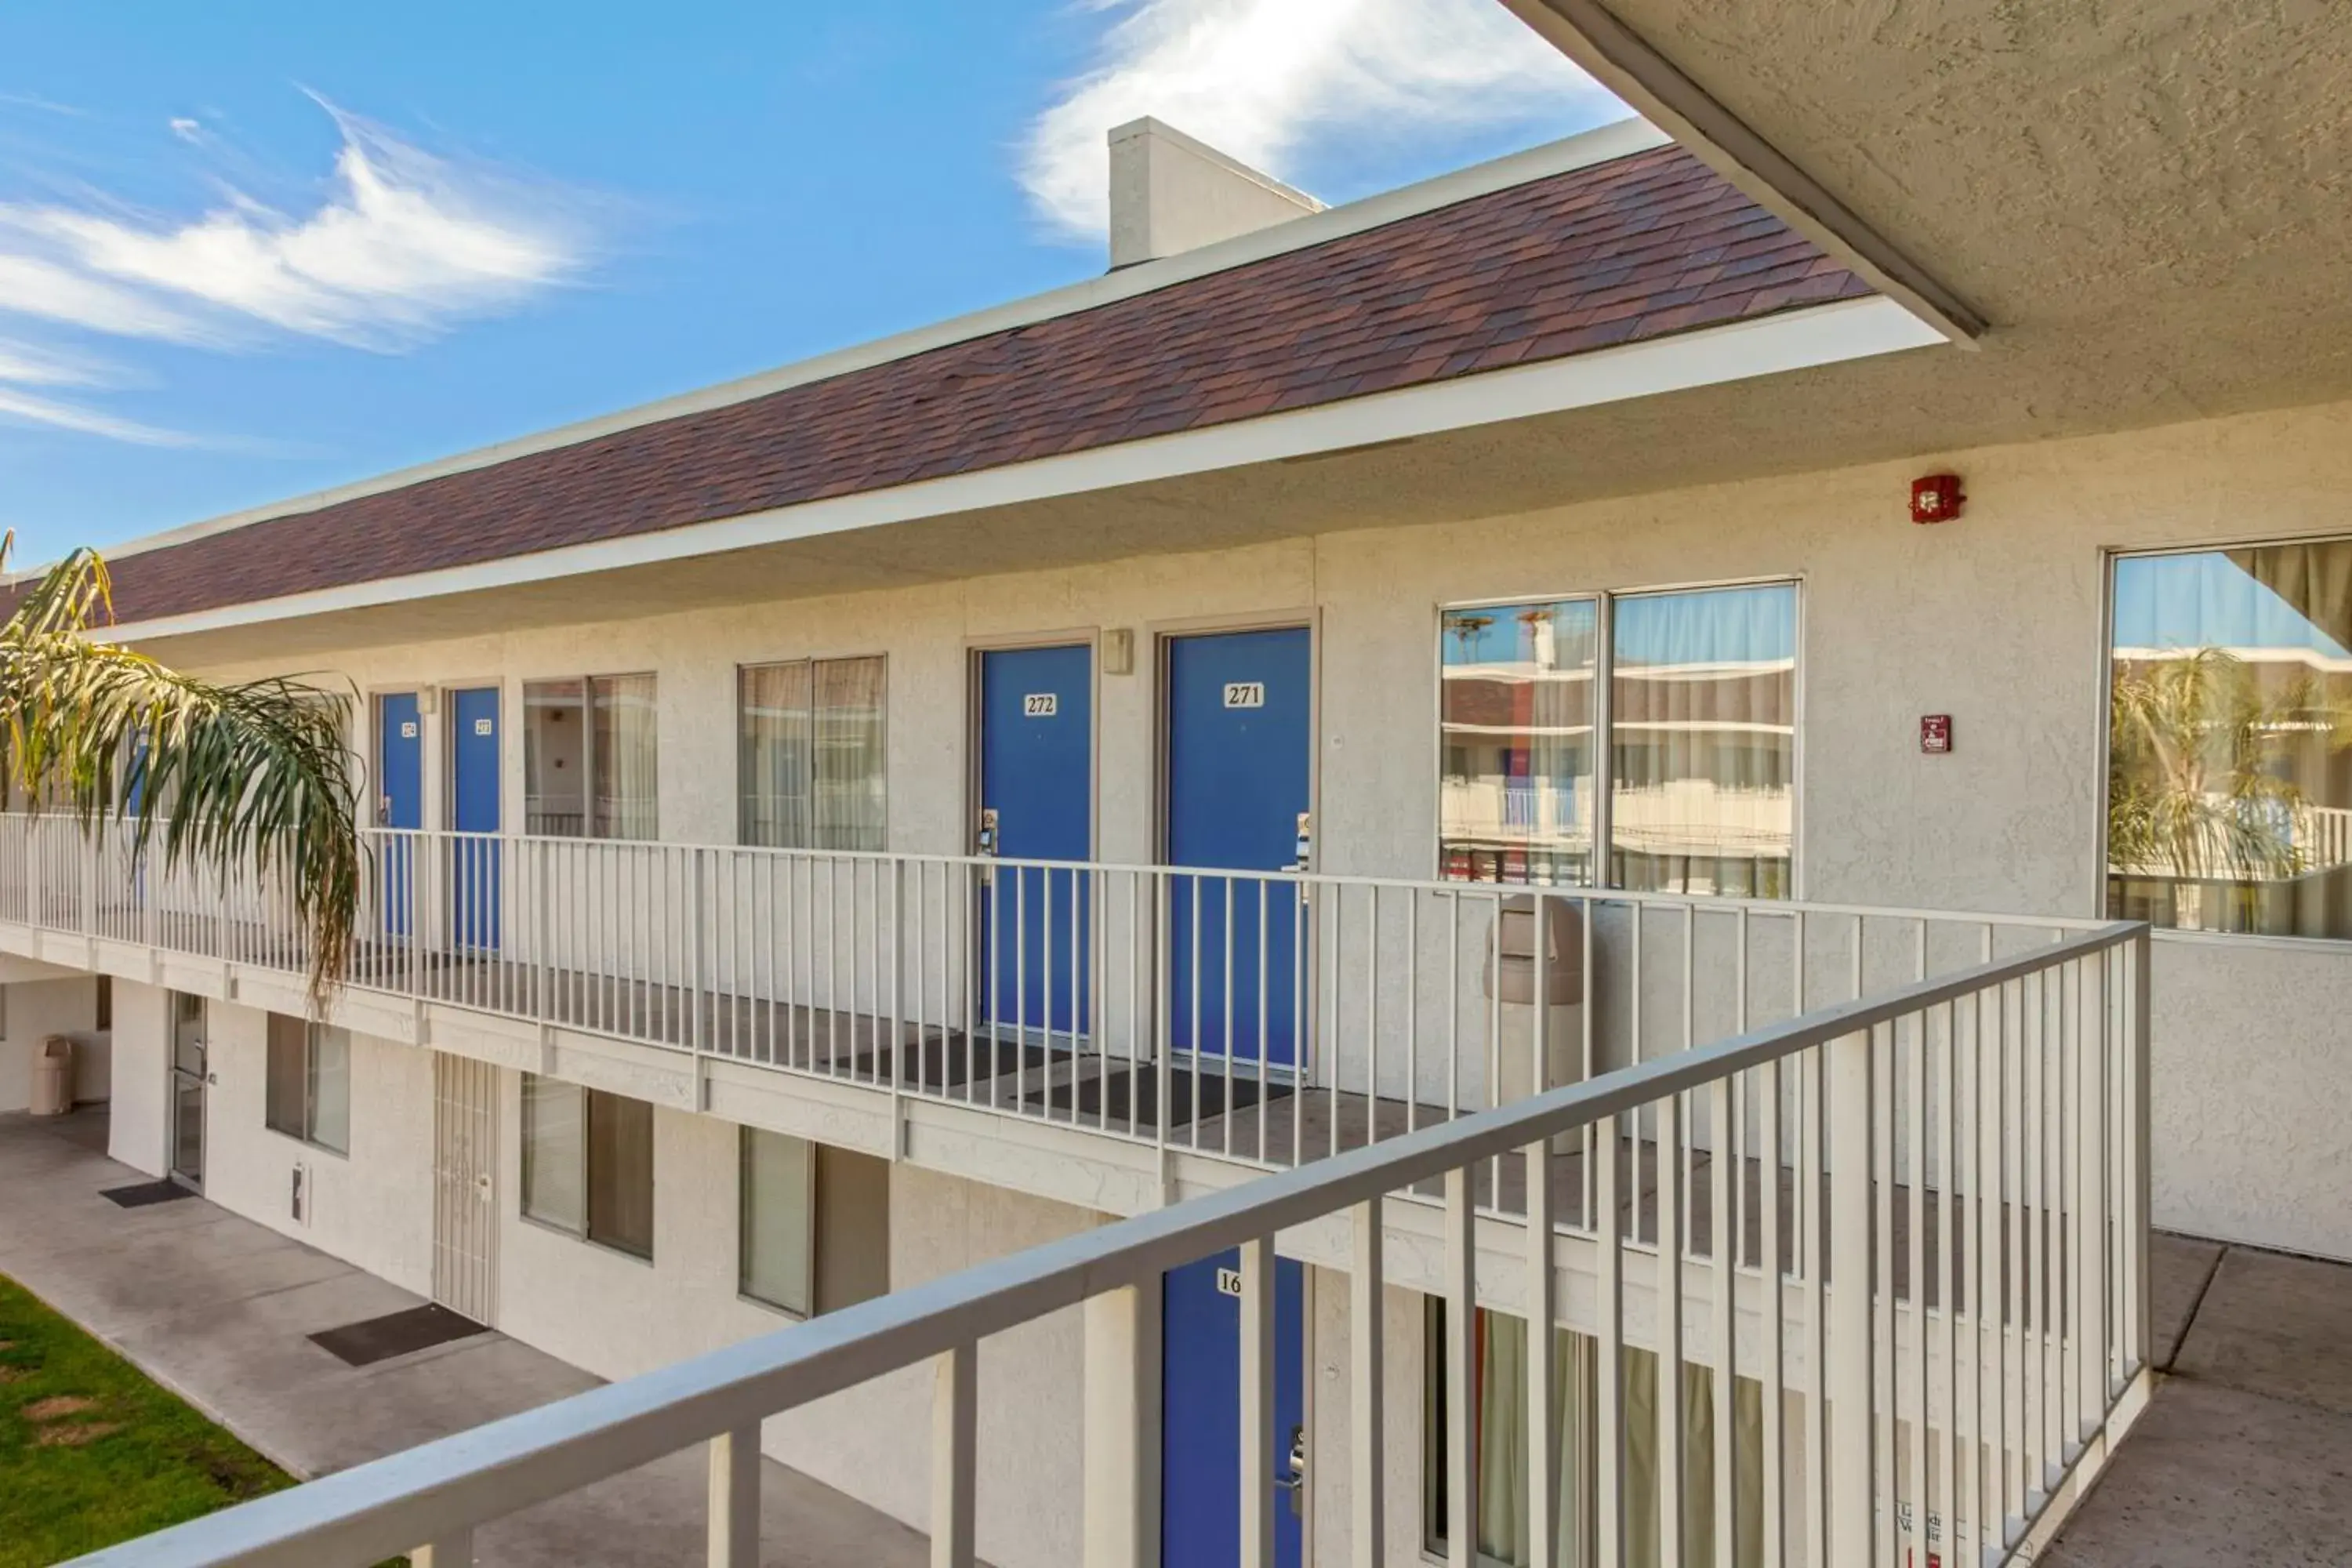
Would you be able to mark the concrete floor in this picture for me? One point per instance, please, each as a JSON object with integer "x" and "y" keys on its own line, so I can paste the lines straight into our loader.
{"x": 2246, "y": 1455}
{"x": 217, "y": 1309}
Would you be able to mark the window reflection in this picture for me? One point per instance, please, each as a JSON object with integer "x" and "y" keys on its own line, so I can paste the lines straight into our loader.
{"x": 2229, "y": 783}
{"x": 1703, "y": 737}
{"x": 1516, "y": 719}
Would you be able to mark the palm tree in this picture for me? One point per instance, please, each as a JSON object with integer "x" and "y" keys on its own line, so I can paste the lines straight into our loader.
{"x": 221, "y": 776}
{"x": 2192, "y": 787}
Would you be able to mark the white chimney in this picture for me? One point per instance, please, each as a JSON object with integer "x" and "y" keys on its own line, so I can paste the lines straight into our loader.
{"x": 1171, "y": 194}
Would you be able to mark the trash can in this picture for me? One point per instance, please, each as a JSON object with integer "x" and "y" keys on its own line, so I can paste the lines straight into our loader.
{"x": 1512, "y": 975}
{"x": 53, "y": 1078}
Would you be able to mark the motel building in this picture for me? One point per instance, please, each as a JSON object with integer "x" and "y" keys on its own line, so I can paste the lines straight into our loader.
{"x": 1862, "y": 774}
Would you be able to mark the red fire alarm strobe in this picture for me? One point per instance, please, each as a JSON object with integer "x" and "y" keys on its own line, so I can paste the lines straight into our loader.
{"x": 1937, "y": 498}
{"x": 1936, "y": 734}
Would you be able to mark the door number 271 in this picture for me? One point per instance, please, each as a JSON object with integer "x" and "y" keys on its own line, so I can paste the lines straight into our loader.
{"x": 1244, "y": 693}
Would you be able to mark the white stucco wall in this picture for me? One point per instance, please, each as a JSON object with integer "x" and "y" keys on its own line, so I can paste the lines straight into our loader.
{"x": 616, "y": 1315}
{"x": 371, "y": 1207}
{"x": 37, "y": 1009}
{"x": 1995, "y": 620}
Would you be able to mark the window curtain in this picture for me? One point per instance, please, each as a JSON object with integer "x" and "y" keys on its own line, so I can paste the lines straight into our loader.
{"x": 331, "y": 1088}
{"x": 1503, "y": 1482}
{"x": 772, "y": 754}
{"x": 849, "y": 758}
{"x": 1704, "y": 734}
{"x": 778, "y": 1216}
{"x": 1644, "y": 1483}
{"x": 2229, "y": 748}
{"x": 621, "y": 1173}
{"x": 623, "y": 754}
{"x": 554, "y": 1150}
{"x": 284, "y": 1085}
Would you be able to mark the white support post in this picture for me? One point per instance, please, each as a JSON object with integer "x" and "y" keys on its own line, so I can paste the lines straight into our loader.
{"x": 1461, "y": 1370}
{"x": 734, "y": 1521}
{"x": 455, "y": 1550}
{"x": 1368, "y": 1404}
{"x": 1852, "y": 1349}
{"x": 1257, "y": 1453}
{"x": 1119, "y": 1462}
{"x": 1543, "y": 1419}
{"x": 955, "y": 1430}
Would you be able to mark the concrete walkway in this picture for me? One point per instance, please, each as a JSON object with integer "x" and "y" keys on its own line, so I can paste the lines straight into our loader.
{"x": 218, "y": 1309}
{"x": 2245, "y": 1455}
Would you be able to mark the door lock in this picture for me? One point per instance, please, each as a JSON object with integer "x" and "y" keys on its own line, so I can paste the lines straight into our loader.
{"x": 1303, "y": 854}
{"x": 989, "y": 841}
{"x": 1294, "y": 1480}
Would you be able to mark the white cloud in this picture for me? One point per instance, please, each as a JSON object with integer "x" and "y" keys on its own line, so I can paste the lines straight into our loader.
{"x": 404, "y": 245}
{"x": 398, "y": 247}
{"x": 1260, "y": 78}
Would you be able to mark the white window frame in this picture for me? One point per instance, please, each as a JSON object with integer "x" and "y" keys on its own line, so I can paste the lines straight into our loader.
{"x": 584, "y": 1231}
{"x": 588, "y": 815}
{"x": 810, "y": 662}
{"x": 812, "y": 1209}
{"x": 1605, "y": 601}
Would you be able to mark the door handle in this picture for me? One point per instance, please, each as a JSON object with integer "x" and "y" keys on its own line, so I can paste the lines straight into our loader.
{"x": 989, "y": 840}
{"x": 1295, "y": 1480}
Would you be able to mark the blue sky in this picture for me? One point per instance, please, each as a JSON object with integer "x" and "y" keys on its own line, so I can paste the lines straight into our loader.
{"x": 251, "y": 249}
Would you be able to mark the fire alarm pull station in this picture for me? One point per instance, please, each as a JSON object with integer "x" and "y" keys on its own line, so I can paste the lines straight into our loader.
{"x": 1936, "y": 734}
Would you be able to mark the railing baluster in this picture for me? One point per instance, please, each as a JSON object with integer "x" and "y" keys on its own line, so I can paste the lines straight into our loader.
{"x": 1847, "y": 1066}
{"x": 955, "y": 1460}
{"x": 454, "y": 1550}
{"x": 1461, "y": 1369}
{"x": 1257, "y": 1447}
{"x": 734, "y": 1518}
{"x": 1367, "y": 1402}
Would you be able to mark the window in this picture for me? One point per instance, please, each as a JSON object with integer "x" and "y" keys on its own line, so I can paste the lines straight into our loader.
{"x": 1702, "y": 721}
{"x": 1498, "y": 1428}
{"x": 811, "y": 771}
{"x": 588, "y": 1164}
{"x": 2230, "y": 741}
{"x": 307, "y": 1092}
{"x": 105, "y": 1021}
{"x": 814, "y": 1224}
{"x": 589, "y": 755}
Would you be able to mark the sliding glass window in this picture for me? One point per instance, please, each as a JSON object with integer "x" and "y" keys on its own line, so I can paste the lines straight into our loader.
{"x": 590, "y": 751}
{"x": 2230, "y": 741}
{"x": 811, "y": 762}
{"x": 1699, "y": 774}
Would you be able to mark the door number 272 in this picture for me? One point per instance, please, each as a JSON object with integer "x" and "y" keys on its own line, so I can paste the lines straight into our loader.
{"x": 1040, "y": 704}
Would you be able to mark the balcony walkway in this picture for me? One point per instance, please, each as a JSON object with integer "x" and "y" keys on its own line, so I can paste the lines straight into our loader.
{"x": 218, "y": 1308}
{"x": 2246, "y": 1455}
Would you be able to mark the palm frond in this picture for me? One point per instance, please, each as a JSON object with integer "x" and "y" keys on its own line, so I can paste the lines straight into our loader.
{"x": 253, "y": 773}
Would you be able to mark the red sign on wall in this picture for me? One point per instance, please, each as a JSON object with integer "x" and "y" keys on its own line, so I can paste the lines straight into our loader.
{"x": 1935, "y": 734}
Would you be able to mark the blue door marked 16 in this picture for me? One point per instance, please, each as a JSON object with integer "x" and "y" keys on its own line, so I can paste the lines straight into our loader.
{"x": 1239, "y": 709}
{"x": 399, "y": 803}
{"x": 474, "y": 808}
{"x": 1200, "y": 1413}
{"x": 1036, "y": 802}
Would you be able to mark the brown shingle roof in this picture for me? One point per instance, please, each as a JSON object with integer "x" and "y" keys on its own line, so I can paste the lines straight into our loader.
{"x": 1634, "y": 248}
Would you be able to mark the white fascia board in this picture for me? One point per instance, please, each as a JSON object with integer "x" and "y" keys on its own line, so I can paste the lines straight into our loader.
{"x": 1621, "y": 139}
{"x": 1794, "y": 340}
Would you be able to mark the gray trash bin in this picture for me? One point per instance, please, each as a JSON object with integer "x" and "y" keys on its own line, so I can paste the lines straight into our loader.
{"x": 53, "y": 1078}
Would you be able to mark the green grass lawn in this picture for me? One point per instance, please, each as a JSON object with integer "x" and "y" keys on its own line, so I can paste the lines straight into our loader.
{"x": 91, "y": 1452}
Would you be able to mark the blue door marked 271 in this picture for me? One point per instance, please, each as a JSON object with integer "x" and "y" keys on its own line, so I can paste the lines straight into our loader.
{"x": 1239, "y": 709}
{"x": 474, "y": 808}
{"x": 1200, "y": 1413}
{"x": 1036, "y": 800}
{"x": 399, "y": 803}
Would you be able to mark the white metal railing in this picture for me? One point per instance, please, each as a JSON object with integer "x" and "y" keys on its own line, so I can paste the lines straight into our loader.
{"x": 1908, "y": 1231}
{"x": 1262, "y": 1018}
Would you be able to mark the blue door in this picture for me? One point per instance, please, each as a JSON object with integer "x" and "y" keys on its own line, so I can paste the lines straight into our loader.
{"x": 1200, "y": 1413}
{"x": 1036, "y": 802}
{"x": 474, "y": 809}
{"x": 1239, "y": 713}
{"x": 399, "y": 803}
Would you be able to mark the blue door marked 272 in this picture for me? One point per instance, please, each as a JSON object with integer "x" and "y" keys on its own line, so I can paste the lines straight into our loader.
{"x": 1036, "y": 800}
{"x": 1239, "y": 710}
{"x": 1200, "y": 1413}
{"x": 399, "y": 803}
{"x": 474, "y": 808}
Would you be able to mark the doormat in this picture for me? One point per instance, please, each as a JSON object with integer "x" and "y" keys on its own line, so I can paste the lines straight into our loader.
{"x": 1133, "y": 1098}
{"x": 140, "y": 1195}
{"x": 396, "y": 1333}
